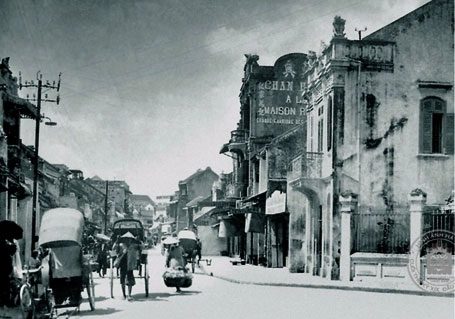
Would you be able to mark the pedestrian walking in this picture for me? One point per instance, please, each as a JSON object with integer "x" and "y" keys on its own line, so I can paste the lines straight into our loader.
{"x": 126, "y": 262}
{"x": 198, "y": 250}
{"x": 102, "y": 260}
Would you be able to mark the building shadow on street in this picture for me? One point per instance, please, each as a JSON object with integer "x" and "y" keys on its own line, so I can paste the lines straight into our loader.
{"x": 162, "y": 296}
{"x": 101, "y": 298}
{"x": 98, "y": 312}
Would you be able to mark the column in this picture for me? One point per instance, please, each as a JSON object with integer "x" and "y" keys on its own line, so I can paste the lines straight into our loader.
{"x": 417, "y": 200}
{"x": 348, "y": 206}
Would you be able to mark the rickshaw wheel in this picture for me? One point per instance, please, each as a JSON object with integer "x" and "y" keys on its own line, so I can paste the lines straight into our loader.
{"x": 91, "y": 292}
{"x": 27, "y": 302}
{"x": 146, "y": 278}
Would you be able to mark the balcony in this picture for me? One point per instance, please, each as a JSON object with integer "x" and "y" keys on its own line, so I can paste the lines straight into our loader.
{"x": 306, "y": 166}
{"x": 238, "y": 136}
{"x": 234, "y": 190}
{"x": 237, "y": 143}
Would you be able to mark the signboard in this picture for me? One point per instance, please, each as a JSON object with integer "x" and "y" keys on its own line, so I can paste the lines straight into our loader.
{"x": 278, "y": 103}
{"x": 275, "y": 204}
{"x": 372, "y": 52}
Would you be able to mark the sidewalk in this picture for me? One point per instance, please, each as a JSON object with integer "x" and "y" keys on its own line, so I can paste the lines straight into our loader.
{"x": 222, "y": 268}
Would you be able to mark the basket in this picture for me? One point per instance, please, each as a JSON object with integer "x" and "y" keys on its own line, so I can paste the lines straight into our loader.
{"x": 178, "y": 282}
{"x": 177, "y": 279}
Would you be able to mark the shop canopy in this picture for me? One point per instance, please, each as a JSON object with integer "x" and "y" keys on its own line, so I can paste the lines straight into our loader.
{"x": 231, "y": 227}
{"x": 204, "y": 211}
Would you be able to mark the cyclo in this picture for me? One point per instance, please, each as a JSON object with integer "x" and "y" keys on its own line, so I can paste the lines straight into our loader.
{"x": 135, "y": 228}
{"x": 65, "y": 272}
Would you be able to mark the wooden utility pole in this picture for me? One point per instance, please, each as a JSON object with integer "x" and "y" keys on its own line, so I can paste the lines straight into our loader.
{"x": 105, "y": 206}
{"x": 39, "y": 117}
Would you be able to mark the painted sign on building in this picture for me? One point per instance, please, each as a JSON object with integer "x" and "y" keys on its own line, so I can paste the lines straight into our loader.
{"x": 275, "y": 204}
{"x": 278, "y": 103}
{"x": 366, "y": 51}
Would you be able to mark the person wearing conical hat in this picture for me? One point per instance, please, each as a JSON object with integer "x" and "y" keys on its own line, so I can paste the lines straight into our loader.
{"x": 128, "y": 262}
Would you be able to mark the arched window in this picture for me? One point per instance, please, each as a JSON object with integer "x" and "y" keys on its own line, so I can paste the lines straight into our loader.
{"x": 436, "y": 127}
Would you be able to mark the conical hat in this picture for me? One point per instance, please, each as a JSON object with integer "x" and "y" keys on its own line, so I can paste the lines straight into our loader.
{"x": 128, "y": 235}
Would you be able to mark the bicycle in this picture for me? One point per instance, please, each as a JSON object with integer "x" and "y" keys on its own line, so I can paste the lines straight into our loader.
{"x": 32, "y": 300}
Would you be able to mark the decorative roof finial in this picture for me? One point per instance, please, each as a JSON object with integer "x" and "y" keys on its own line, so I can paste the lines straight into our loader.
{"x": 5, "y": 62}
{"x": 338, "y": 27}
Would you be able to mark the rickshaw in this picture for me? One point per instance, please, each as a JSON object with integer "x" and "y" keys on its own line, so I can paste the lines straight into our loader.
{"x": 134, "y": 227}
{"x": 188, "y": 241}
{"x": 65, "y": 272}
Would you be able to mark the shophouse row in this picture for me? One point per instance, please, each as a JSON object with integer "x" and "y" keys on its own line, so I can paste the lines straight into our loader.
{"x": 331, "y": 190}
{"x": 58, "y": 185}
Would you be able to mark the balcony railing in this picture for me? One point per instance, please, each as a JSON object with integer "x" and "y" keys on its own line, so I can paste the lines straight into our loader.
{"x": 239, "y": 136}
{"x": 306, "y": 165}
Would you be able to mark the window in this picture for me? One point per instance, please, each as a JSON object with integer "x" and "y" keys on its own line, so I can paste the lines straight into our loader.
{"x": 256, "y": 171}
{"x": 436, "y": 127}
{"x": 320, "y": 134}
{"x": 311, "y": 133}
{"x": 436, "y": 142}
{"x": 329, "y": 124}
{"x": 320, "y": 128}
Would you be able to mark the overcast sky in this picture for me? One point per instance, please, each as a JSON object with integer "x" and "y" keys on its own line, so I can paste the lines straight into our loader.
{"x": 150, "y": 88}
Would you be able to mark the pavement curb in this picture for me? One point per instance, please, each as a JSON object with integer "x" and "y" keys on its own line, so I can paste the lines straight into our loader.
{"x": 316, "y": 286}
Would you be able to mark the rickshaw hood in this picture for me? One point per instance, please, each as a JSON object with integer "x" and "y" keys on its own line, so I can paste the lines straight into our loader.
{"x": 61, "y": 227}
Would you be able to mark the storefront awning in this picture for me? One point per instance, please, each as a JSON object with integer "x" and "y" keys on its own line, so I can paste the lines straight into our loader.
{"x": 204, "y": 211}
{"x": 25, "y": 108}
{"x": 230, "y": 228}
{"x": 256, "y": 197}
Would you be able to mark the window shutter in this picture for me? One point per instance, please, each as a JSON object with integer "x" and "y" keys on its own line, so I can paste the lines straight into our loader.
{"x": 426, "y": 112}
{"x": 448, "y": 133}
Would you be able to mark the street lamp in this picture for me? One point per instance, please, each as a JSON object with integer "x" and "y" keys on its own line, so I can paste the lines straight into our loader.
{"x": 49, "y": 121}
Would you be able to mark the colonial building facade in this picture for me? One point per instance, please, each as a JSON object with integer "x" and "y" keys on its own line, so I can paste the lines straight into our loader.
{"x": 380, "y": 124}
{"x": 377, "y": 116}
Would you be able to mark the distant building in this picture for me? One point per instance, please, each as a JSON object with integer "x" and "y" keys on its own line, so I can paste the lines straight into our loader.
{"x": 119, "y": 194}
{"x": 143, "y": 209}
{"x": 198, "y": 184}
{"x": 162, "y": 203}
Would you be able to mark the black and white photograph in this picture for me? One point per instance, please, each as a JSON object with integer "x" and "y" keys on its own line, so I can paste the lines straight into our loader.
{"x": 200, "y": 159}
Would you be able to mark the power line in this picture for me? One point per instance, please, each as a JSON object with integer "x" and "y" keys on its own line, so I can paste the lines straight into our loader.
{"x": 166, "y": 68}
{"x": 39, "y": 86}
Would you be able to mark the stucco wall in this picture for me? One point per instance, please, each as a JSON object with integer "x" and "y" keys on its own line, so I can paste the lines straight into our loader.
{"x": 201, "y": 185}
{"x": 297, "y": 206}
{"x": 423, "y": 52}
{"x": 212, "y": 245}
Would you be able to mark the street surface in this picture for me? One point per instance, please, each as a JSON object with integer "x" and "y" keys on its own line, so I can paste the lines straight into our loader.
{"x": 214, "y": 298}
